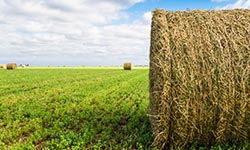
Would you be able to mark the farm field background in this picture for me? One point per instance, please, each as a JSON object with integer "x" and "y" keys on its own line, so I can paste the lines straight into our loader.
{"x": 78, "y": 108}
{"x": 74, "y": 109}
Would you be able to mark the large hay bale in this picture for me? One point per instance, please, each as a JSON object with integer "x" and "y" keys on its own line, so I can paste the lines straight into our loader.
{"x": 11, "y": 66}
{"x": 199, "y": 77}
{"x": 127, "y": 66}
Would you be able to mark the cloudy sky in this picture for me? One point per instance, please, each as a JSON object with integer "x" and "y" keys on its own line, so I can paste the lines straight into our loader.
{"x": 85, "y": 32}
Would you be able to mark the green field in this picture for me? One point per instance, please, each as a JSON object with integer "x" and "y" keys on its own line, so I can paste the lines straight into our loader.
{"x": 78, "y": 108}
{"x": 74, "y": 109}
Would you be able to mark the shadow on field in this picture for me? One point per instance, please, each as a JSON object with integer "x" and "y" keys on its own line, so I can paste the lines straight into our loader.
{"x": 121, "y": 129}
{"x": 98, "y": 126}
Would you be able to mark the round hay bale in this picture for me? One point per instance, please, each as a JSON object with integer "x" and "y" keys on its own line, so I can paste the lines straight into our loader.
{"x": 127, "y": 66}
{"x": 23, "y": 66}
{"x": 3, "y": 66}
{"x": 11, "y": 66}
{"x": 200, "y": 77}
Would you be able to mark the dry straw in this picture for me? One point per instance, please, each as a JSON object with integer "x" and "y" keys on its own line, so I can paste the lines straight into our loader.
{"x": 11, "y": 66}
{"x": 200, "y": 77}
{"x": 127, "y": 66}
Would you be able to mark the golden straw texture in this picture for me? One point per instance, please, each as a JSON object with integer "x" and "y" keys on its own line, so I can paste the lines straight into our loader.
{"x": 200, "y": 77}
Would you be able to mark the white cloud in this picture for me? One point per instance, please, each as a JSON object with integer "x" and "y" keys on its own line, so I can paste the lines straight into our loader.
{"x": 147, "y": 17}
{"x": 238, "y": 4}
{"x": 65, "y": 10}
{"x": 219, "y": 0}
{"x": 72, "y": 32}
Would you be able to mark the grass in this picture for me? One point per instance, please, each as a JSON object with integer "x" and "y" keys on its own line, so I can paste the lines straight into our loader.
{"x": 86, "y": 108}
{"x": 74, "y": 109}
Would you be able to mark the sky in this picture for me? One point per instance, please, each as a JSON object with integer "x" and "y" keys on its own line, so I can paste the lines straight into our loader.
{"x": 85, "y": 32}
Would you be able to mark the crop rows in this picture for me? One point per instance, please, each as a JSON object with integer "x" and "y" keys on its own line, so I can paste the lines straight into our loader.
{"x": 74, "y": 109}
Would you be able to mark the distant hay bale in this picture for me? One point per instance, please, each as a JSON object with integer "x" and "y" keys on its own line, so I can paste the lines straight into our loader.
{"x": 3, "y": 66}
{"x": 11, "y": 66}
{"x": 127, "y": 66}
{"x": 23, "y": 66}
{"x": 200, "y": 77}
